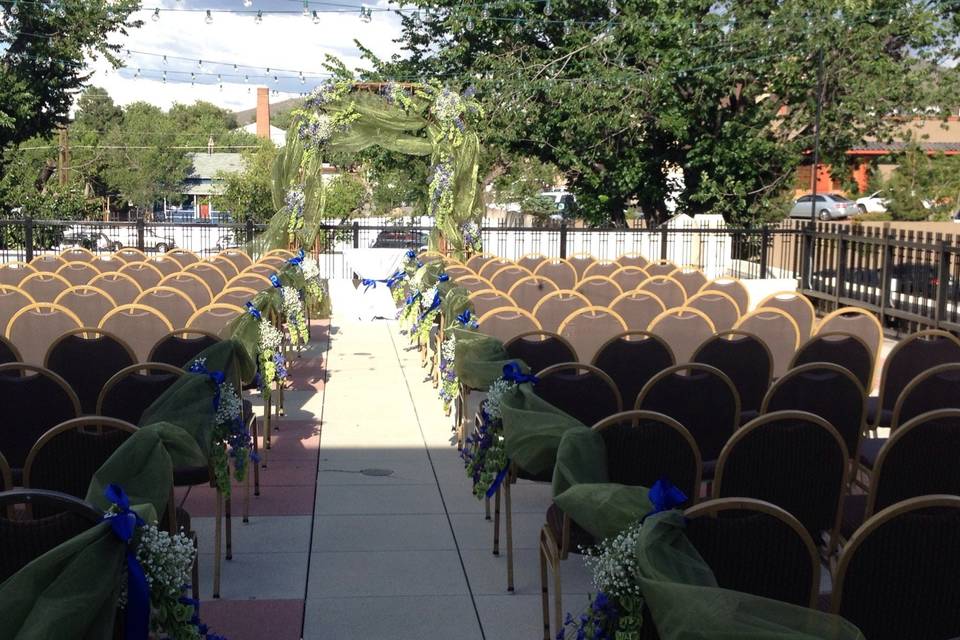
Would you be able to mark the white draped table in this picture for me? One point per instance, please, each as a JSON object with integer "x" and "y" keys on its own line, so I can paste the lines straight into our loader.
{"x": 370, "y": 264}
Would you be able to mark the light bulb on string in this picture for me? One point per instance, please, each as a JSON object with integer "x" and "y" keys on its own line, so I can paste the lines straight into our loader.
{"x": 316, "y": 18}
{"x": 164, "y": 59}
{"x": 470, "y": 23}
{"x": 164, "y": 78}
{"x": 246, "y": 78}
{"x": 221, "y": 87}
{"x": 137, "y": 74}
{"x": 14, "y": 9}
{"x": 156, "y": 15}
{"x": 302, "y": 79}
{"x": 209, "y": 18}
{"x": 275, "y": 79}
{"x": 485, "y": 12}
{"x": 567, "y": 27}
{"x": 366, "y": 15}
{"x": 259, "y": 18}
{"x": 218, "y": 78}
{"x": 518, "y": 23}
{"x": 199, "y": 64}
{"x": 612, "y": 7}
{"x": 248, "y": 3}
{"x": 306, "y": 8}
{"x": 548, "y": 9}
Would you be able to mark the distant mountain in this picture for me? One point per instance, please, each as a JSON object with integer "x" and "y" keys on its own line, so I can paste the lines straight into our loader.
{"x": 250, "y": 115}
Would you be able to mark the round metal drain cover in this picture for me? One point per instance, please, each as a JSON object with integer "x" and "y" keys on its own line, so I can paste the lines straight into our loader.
{"x": 377, "y": 472}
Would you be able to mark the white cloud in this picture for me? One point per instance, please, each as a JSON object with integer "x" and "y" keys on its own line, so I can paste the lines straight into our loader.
{"x": 288, "y": 42}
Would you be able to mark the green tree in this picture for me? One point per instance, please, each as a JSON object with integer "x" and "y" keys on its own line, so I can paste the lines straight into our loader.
{"x": 923, "y": 185}
{"x": 722, "y": 94}
{"x": 248, "y": 193}
{"x": 344, "y": 197}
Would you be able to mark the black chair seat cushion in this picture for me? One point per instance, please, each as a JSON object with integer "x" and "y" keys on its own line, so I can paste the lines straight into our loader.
{"x": 748, "y": 415}
{"x": 578, "y": 535}
{"x": 873, "y": 407}
{"x": 870, "y": 451}
{"x": 854, "y": 508}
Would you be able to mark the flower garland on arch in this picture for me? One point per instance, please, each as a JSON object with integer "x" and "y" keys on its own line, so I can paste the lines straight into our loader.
{"x": 293, "y": 206}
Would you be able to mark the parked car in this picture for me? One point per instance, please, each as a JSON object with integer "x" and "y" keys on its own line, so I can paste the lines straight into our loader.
{"x": 873, "y": 203}
{"x": 117, "y": 238}
{"x": 564, "y": 203}
{"x": 389, "y": 239}
{"x": 828, "y": 206}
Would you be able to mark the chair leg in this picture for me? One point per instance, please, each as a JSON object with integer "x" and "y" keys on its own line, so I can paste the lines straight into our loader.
{"x": 256, "y": 451}
{"x": 496, "y": 522}
{"x": 229, "y": 526}
{"x": 267, "y": 426}
{"x": 549, "y": 555}
{"x": 217, "y": 543}
{"x": 246, "y": 498}
{"x": 486, "y": 508}
{"x": 281, "y": 411}
{"x": 508, "y": 506}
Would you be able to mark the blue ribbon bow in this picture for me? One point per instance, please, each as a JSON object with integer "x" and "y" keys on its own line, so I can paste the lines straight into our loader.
{"x": 252, "y": 310}
{"x": 412, "y": 298}
{"x": 664, "y": 496}
{"x": 433, "y": 306}
{"x": 392, "y": 281}
{"x": 443, "y": 277}
{"x": 217, "y": 377}
{"x": 513, "y": 373}
{"x": 464, "y": 318}
{"x": 275, "y": 280}
{"x": 367, "y": 283}
{"x": 123, "y": 522}
{"x": 411, "y": 254}
{"x": 297, "y": 259}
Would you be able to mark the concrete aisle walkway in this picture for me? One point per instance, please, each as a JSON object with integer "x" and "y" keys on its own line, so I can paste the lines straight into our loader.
{"x": 400, "y": 548}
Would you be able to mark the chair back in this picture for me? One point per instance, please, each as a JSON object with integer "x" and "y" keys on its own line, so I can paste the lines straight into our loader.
{"x": 25, "y": 538}
{"x": 137, "y": 325}
{"x": 6, "y": 476}
{"x": 599, "y": 290}
{"x": 684, "y": 329}
{"x": 604, "y": 268}
{"x": 67, "y": 456}
{"x": 632, "y": 260}
{"x": 778, "y": 331}
{"x": 910, "y": 357}
{"x": 631, "y": 359}
{"x": 133, "y": 389}
{"x": 191, "y": 284}
{"x": 33, "y": 402}
{"x": 173, "y": 304}
{"x": 540, "y": 349}
{"x": 89, "y": 303}
{"x": 12, "y": 299}
{"x": 556, "y": 306}
{"x": 580, "y": 262}
{"x": 130, "y": 254}
{"x": 486, "y": 300}
{"x": 476, "y": 262}
{"x": 105, "y": 264}
{"x": 34, "y": 328}
{"x": 935, "y": 388}
{"x": 249, "y": 280}
{"x": 237, "y": 296}
{"x": 475, "y": 283}
{"x": 183, "y": 257}
{"x": 528, "y": 291}
{"x": 214, "y": 318}
{"x": 589, "y": 328}
{"x": 629, "y": 278}
{"x": 119, "y": 286}
{"x": 238, "y": 257}
{"x": 858, "y": 322}
{"x": 718, "y": 306}
{"x": 916, "y": 541}
{"x": 711, "y": 419}
{"x": 756, "y": 547}
{"x": 11, "y": 273}
{"x": 491, "y": 267}
{"x": 504, "y": 323}
{"x": 284, "y": 254}
{"x": 797, "y": 306}
{"x": 745, "y": 359}
{"x": 560, "y": 271}
{"x": 691, "y": 278}
{"x": 44, "y": 286}
{"x": 637, "y": 308}
{"x": 146, "y": 274}
{"x": 164, "y": 265}
{"x": 580, "y": 390}
{"x": 843, "y": 349}
{"x": 47, "y": 263}
{"x": 8, "y": 352}
{"x": 505, "y": 278}
{"x": 661, "y": 267}
{"x": 531, "y": 261}
{"x": 86, "y": 358}
{"x": 225, "y": 266}
{"x": 825, "y": 390}
{"x": 733, "y": 288}
{"x": 458, "y": 271}
{"x": 215, "y": 279}
{"x": 77, "y": 254}
{"x": 180, "y": 346}
{"x": 78, "y": 272}
{"x": 644, "y": 446}
{"x": 792, "y": 459}
{"x": 670, "y": 292}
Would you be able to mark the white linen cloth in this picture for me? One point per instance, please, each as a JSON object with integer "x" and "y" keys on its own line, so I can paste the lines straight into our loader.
{"x": 371, "y": 264}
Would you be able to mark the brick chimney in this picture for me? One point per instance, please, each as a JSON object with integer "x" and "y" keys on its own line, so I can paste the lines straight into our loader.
{"x": 263, "y": 113}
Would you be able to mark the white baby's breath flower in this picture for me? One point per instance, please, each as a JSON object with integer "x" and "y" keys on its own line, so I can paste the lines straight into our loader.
{"x": 495, "y": 393}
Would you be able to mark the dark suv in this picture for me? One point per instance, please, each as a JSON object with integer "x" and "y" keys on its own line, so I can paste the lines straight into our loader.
{"x": 401, "y": 240}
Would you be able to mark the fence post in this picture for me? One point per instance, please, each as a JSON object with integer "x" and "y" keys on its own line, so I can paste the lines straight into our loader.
{"x": 764, "y": 240}
{"x": 28, "y": 238}
{"x": 841, "y": 271}
{"x": 140, "y": 232}
{"x": 563, "y": 239}
{"x": 356, "y": 235}
{"x": 249, "y": 229}
{"x": 943, "y": 278}
{"x": 885, "y": 275}
{"x": 663, "y": 243}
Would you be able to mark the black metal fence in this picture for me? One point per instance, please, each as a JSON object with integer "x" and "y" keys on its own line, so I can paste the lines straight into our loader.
{"x": 908, "y": 279}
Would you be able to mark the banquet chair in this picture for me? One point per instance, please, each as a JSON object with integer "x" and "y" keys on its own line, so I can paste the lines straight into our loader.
{"x": 144, "y": 273}
{"x": 6, "y": 476}
{"x": 11, "y": 273}
{"x": 44, "y": 286}
{"x": 746, "y": 360}
{"x": 540, "y": 349}
{"x": 691, "y": 278}
{"x": 793, "y": 459}
{"x": 475, "y": 283}
{"x": 47, "y": 263}
{"x": 718, "y": 306}
{"x": 670, "y": 292}
{"x": 183, "y": 257}
{"x": 589, "y": 328}
{"x": 915, "y": 541}
{"x": 175, "y": 305}
{"x": 711, "y": 419}
{"x": 476, "y": 262}
{"x": 799, "y": 308}
{"x": 631, "y": 359}
{"x": 637, "y": 308}
{"x": 858, "y": 322}
{"x": 180, "y": 346}
{"x": 843, "y": 349}
{"x": 661, "y": 268}
{"x": 285, "y": 254}
{"x": 599, "y": 290}
{"x": 604, "y": 268}
{"x": 77, "y": 254}
{"x": 503, "y": 279}
{"x": 130, "y": 254}
{"x": 130, "y": 391}
{"x": 919, "y": 459}
{"x": 225, "y": 265}
{"x": 86, "y": 358}
{"x": 491, "y": 267}
{"x": 560, "y": 271}
{"x": 778, "y": 330}
{"x": 191, "y": 284}
{"x": 121, "y": 287}
{"x": 209, "y": 273}
{"x": 78, "y": 272}
{"x": 8, "y": 352}
{"x": 237, "y": 296}
{"x": 825, "y": 390}
{"x": 164, "y": 265}
{"x": 214, "y": 318}
{"x": 632, "y": 260}
{"x": 34, "y": 401}
{"x": 89, "y": 303}
{"x": 580, "y": 262}
{"x": 684, "y": 329}
{"x": 555, "y": 307}
{"x": 33, "y": 328}
{"x": 527, "y": 292}
{"x": 504, "y": 323}
{"x": 935, "y": 388}
{"x": 910, "y": 357}
{"x": 239, "y": 258}
{"x": 106, "y": 263}
{"x": 137, "y": 325}
{"x": 12, "y": 300}
{"x": 486, "y": 300}
{"x": 642, "y": 447}
{"x": 531, "y": 261}
{"x": 249, "y": 281}
{"x": 733, "y": 288}
{"x": 629, "y": 278}
{"x": 24, "y": 538}
{"x": 458, "y": 271}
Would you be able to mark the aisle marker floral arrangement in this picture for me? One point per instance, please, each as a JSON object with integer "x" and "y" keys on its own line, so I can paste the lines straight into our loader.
{"x": 484, "y": 452}
{"x": 296, "y": 318}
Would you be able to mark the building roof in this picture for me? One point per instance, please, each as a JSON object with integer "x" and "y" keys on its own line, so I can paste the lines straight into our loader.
{"x": 934, "y": 134}
{"x": 277, "y": 135}
{"x": 204, "y": 167}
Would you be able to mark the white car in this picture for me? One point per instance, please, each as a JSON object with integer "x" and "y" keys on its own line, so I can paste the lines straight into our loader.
{"x": 872, "y": 203}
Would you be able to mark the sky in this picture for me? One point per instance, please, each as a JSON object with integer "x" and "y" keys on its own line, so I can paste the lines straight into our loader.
{"x": 286, "y": 44}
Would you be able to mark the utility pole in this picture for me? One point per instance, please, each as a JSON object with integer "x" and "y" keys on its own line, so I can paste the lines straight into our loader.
{"x": 816, "y": 138}
{"x": 63, "y": 158}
